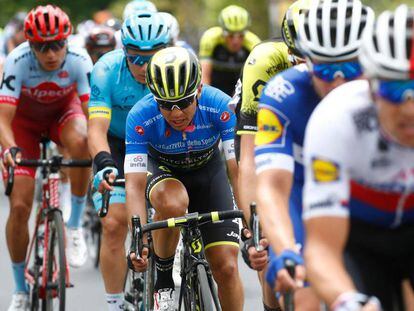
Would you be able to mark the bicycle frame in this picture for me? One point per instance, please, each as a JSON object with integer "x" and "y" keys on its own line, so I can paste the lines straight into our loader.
{"x": 194, "y": 255}
{"x": 50, "y": 203}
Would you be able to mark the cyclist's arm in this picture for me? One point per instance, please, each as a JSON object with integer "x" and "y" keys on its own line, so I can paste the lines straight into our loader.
{"x": 97, "y": 135}
{"x": 7, "y": 113}
{"x": 206, "y": 70}
{"x": 233, "y": 176}
{"x": 207, "y": 44}
{"x": 273, "y": 191}
{"x": 135, "y": 184}
{"x": 10, "y": 88}
{"x": 99, "y": 109}
{"x": 84, "y": 80}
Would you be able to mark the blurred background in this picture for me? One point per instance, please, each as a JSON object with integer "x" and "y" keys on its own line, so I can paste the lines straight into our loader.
{"x": 195, "y": 16}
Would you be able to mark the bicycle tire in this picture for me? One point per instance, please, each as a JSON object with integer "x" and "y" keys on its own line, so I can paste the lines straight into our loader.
{"x": 55, "y": 288}
{"x": 149, "y": 282}
{"x": 35, "y": 271}
{"x": 205, "y": 291}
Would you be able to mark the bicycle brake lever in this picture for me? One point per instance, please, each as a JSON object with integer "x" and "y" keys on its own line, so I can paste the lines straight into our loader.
{"x": 10, "y": 180}
{"x": 106, "y": 196}
{"x": 255, "y": 227}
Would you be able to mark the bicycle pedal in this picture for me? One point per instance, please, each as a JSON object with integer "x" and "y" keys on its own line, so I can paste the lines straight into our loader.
{"x": 69, "y": 285}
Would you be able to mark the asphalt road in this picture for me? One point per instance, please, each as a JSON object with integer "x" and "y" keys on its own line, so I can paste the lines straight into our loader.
{"x": 88, "y": 293}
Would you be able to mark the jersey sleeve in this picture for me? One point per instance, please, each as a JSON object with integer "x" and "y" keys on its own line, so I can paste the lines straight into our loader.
{"x": 326, "y": 190}
{"x": 100, "y": 104}
{"x": 136, "y": 142}
{"x": 84, "y": 75}
{"x": 11, "y": 82}
{"x": 250, "y": 40}
{"x": 274, "y": 137}
{"x": 263, "y": 63}
{"x": 208, "y": 42}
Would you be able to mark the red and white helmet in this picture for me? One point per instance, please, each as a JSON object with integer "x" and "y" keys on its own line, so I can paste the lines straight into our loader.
{"x": 47, "y": 23}
{"x": 387, "y": 50}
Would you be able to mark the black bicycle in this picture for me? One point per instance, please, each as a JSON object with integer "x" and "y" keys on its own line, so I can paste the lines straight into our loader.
{"x": 46, "y": 269}
{"x": 198, "y": 291}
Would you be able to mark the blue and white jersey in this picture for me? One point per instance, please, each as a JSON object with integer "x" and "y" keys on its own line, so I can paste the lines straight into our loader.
{"x": 149, "y": 134}
{"x": 353, "y": 170}
{"x": 285, "y": 107}
{"x": 114, "y": 91}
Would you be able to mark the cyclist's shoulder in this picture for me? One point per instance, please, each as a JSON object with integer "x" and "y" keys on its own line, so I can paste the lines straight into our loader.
{"x": 144, "y": 108}
{"x": 267, "y": 59}
{"x": 214, "y": 33}
{"x": 76, "y": 54}
{"x": 20, "y": 55}
{"x": 250, "y": 40}
{"x": 284, "y": 89}
{"x": 213, "y": 97}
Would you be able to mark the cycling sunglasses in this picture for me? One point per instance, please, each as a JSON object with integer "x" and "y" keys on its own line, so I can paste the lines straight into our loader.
{"x": 396, "y": 92}
{"x": 180, "y": 104}
{"x": 239, "y": 34}
{"x": 137, "y": 59}
{"x": 43, "y": 47}
{"x": 328, "y": 72}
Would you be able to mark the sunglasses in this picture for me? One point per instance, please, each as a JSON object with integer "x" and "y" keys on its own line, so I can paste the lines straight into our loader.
{"x": 328, "y": 72}
{"x": 233, "y": 34}
{"x": 396, "y": 92}
{"x": 137, "y": 59}
{"x": 180, "y": 104}
{"x": 43, "y": 47}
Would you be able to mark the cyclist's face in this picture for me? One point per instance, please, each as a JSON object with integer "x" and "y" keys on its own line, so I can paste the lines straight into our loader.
{"x": 234, "y": 41}
{"x": 96, "y": 53}
{"x": 179, "y": 119}
{"x": 51, "y": 59}
{"x": 323, "y": 87}
{"x": 138, "y": 71}
{"x": 397, "y": 120}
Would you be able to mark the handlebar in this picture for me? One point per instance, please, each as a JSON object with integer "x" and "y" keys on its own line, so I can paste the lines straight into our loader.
{"x": 188, "y": 220}
{"x": 288, "y": 297}
{"x": 106, "y": 195}
{"x": 255, "y": 226}
{"x": 54, "y": 163}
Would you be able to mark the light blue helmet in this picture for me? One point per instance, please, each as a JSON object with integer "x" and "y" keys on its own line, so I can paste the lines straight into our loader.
{"x": 145, "y": 31}
{"x": 138, "y": 5}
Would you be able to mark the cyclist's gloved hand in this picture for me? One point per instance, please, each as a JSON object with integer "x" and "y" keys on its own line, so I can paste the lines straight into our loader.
{"x": 99, "y": 182}
{"x": 10, "y": 155}
{"x": 254, "y": 259}
{"x": 277, "y": 263}
{"x": 353, "y": 301}
{"x": 104, "y": 165}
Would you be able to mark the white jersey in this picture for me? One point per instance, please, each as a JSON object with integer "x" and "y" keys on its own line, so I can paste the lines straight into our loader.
{"x": 352, "y": 170}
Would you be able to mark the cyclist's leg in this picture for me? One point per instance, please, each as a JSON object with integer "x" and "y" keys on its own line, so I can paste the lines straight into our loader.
{"x": 210, "y": 192}
{"x": 114, "y": 231}
{"x": 71, "y": 132}
{"x": 168, "y": 196}
{"x": 21, "y": 199}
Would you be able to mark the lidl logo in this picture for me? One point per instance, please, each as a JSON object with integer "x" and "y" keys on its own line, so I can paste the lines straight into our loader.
{"x": 269, "y": 127}
{"x": 325, "y": 170}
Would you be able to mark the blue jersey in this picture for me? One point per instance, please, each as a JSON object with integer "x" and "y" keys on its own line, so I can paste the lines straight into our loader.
{"x": 285, "y": 107}
{"x": 148, "y": 133}
{"x": 114, "y": 91}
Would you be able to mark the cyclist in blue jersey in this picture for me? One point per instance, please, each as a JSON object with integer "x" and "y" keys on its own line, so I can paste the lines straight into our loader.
{"x": 173, "y": 134}
{"x": 359, "y": 185}
{"x": 118, "y": 82}
{"x": 329, "y": 38}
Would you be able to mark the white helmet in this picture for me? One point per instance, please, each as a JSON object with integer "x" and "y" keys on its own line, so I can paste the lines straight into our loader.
{"x": 387, "y": 46}
{"x": 172, "y": 22}
{"x": 331, "y": 30}
{"x": 138, "y": 5}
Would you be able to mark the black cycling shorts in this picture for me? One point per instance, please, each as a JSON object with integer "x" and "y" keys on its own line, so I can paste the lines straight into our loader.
{"x": 379, "y": 259}
{"x": 209, "y": 190}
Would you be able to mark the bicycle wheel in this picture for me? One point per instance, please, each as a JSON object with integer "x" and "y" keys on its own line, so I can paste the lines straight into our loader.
{"x": 206, "y": 290}
{"x": 56, "y": 265}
